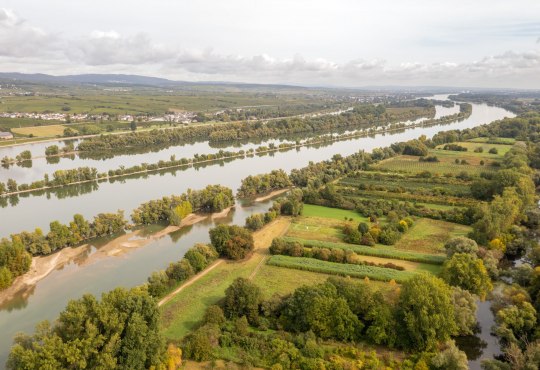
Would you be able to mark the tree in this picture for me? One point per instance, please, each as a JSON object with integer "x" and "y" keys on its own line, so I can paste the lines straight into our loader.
{"x": 180, "y": 271}
{"x": 320, "y": 309}
{"x": 425, "y": 312}
{"x": 242, "y": 298}
{"x": 174, "y": 357}
{"x": 231, "y": 241}
{"x": 199, "y": 344}
{"x": 255, "y": 221}
{"x": 460, "y": 244}
{"x": 451, "y": 358}
{"x": 133, "y": 126}
{"x": 179, "y": 212}
{"x": 14, "y": 257}
{"x": 120, "y": 331}
{"x": 515, "y": 322}
{"x": 196, "y": 259}
{"x": 464, "y": 311}
{"x": 363, "y": 228}
{"x": 468, "y": 272}
{"x": 52, "y": 150}
{"x": 11, "y": 185}
{"x": 497, "y": 217}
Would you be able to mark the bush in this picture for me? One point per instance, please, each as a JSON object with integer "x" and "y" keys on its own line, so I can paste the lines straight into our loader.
{"x": 369, "y": 251}
{"x": 367, "y": 239}
{"x": 389, "y": 236}
{"x": 214, "y": 315}
{"x": 5, "y": 277}
{"x": 255, "y": 221}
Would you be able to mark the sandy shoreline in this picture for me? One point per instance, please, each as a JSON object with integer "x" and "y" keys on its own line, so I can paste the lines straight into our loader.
{"x": 42, "y": 266}
{"x": 271, "y": 195}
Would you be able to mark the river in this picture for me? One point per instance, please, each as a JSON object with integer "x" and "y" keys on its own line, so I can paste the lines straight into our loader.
{"x": 95, "y": 275}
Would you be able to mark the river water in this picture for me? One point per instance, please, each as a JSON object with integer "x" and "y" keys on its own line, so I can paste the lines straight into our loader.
{"x": 87, "y": 274}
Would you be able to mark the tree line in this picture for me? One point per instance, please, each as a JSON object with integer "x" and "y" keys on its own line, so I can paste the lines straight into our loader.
{"x": 240, "y": 130}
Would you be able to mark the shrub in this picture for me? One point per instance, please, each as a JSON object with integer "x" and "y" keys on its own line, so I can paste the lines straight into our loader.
{"x": 5, "y": 277}
{"x": 214, "y": 315}
{"x": 255, "y": 221}
{"x": 367, "y": 239}
{"x": 389, "y": 236}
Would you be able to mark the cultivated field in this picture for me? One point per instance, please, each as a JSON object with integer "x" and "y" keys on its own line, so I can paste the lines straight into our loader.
{"x": 40, "y": 131}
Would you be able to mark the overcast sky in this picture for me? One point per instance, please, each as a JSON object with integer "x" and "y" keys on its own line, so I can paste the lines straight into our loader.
{"x": 476, "y": 43}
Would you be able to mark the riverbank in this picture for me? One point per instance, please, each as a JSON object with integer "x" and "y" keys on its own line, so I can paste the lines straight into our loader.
{"x": 271, "y": 195}
{"x": 42, "y": 266}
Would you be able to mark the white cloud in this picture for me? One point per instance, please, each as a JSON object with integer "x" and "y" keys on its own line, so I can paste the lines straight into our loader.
{"x": 106, "y": 48}
{"x": 24, "y": 46}
{"x": 18, "y": 39}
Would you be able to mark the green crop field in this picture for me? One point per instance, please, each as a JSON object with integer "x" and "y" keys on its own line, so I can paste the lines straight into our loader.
{"x": 375, "y": 251}
{"x": 495, "y": 140}
{"x": 335, "y": 213}
{"x": 325, "y": 229}
{"x": 342, "y": 269}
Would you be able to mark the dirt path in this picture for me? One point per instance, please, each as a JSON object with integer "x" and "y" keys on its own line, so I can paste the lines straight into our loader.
{"x": 263, "y": 240}
{"x": 259, "y": 265}
{"x": 169, "y": 296}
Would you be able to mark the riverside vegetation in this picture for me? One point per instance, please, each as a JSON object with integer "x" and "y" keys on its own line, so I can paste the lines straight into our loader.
{"x": 87, "y": 174}
{"x": 343, "y": 322}
{"x": 15, "y": 253}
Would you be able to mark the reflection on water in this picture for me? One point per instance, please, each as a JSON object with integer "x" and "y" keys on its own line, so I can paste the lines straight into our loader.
{"x": 483, "y": 345}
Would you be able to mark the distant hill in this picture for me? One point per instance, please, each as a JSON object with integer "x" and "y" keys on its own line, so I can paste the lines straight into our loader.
{"x": 88, "y": 79}
{"x": 123, "y": 80}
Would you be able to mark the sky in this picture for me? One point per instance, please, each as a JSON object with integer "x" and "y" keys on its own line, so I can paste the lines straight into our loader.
{"x": 349, "y": 43}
